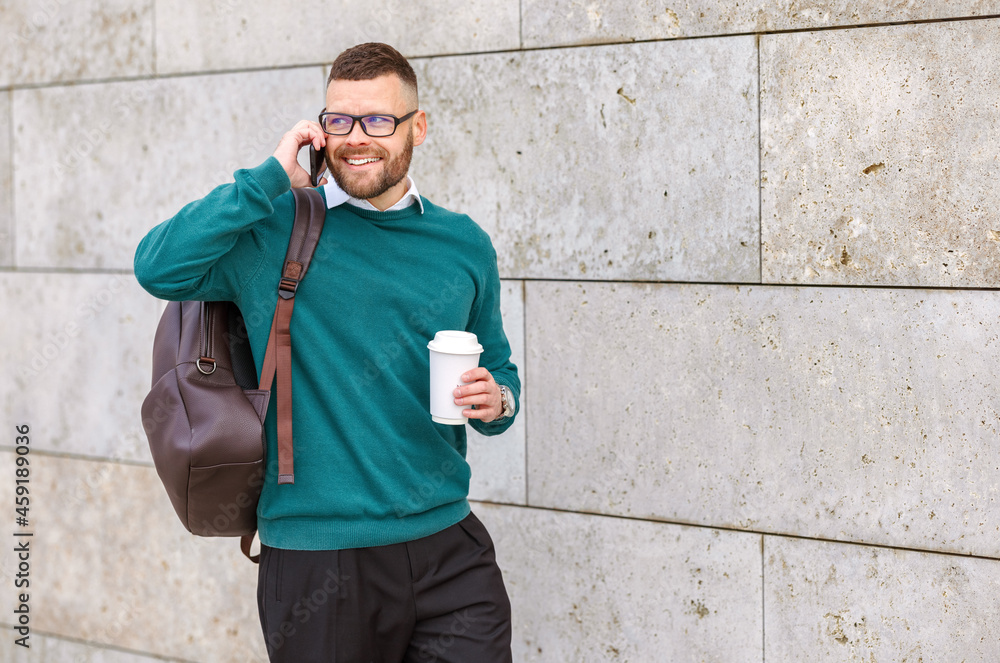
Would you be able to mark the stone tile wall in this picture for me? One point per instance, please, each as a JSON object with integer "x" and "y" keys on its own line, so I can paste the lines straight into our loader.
{"x": 857, "y": 603}
{"x": 59, "y": 41}
{"x": 76, "y": 349}
{"x": 874, "y": 155}
{"x": 6, "y": 189}
{"x": 131, "y": 153}
{"x": 843, "y": 414}
{"x": 227, "y": 34}
{"x": 589, "y": 163}
{"x": 500, "y": 461}
{"x": 748, "y": 267}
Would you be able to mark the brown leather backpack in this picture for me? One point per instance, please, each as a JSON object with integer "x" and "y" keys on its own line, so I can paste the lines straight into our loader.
{"x": 204, "y": 415}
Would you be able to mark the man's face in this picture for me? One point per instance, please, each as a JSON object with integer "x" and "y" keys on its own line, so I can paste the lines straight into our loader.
{"x": 366, "y": 167}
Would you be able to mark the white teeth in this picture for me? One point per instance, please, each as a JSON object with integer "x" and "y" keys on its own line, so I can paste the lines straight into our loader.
{"x": 359, "y": 162}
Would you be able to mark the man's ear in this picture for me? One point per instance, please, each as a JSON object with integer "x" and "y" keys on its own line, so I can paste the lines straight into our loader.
{"x": 419, "y": 127}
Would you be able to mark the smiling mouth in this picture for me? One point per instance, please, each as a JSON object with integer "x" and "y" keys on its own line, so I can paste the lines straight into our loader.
{"x": 361, "y": 161}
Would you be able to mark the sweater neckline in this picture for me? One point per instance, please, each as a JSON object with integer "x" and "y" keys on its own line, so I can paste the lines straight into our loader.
{"x": 374, "y": 215}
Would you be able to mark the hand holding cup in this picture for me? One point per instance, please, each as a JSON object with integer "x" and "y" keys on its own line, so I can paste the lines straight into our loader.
{"x": 483, "y": 392}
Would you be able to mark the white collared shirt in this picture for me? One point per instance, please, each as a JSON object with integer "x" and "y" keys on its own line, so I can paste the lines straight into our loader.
{"x": 336, "y": 196}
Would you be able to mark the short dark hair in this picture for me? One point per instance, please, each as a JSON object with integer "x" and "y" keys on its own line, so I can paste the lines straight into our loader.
{"x": 367, "y": 61}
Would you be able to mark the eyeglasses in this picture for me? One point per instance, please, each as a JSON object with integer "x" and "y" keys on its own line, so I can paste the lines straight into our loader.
{"x": 378, "y": 126}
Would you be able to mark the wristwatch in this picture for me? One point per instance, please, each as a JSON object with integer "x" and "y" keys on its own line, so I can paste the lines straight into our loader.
{"x": 506, "y": 402}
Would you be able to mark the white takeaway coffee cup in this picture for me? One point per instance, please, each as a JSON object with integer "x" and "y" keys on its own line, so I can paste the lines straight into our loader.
{"x": 452, "y": 354}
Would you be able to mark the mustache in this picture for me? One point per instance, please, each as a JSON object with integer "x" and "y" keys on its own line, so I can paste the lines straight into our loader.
{"x": 344, "y": 152}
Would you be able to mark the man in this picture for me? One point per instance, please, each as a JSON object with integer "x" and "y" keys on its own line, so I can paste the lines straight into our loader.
{"x": 372, "y": 554}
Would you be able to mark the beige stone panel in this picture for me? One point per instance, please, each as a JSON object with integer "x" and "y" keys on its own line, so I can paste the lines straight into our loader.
{"x": 633, "y": 162}
{"x": 837, "y": 413}
{"x": 563, "y": 22}
{"x": 6, "y": 185}
{"x": 833, "y": 603}
{"x": 879, "y": 156}
{"x": 497, "y": 462}
{"x": 112, "y": 565}
{"x": 59, "y": 40}
{"x": 51, "y": 649}
{"x": 591, "y": 589}
{"x": 129, "y": 155}
{"x": 229, "y": 34}
{"x": 76, "y": 351}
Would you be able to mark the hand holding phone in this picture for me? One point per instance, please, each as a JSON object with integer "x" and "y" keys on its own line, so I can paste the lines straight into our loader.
{"x": 305, "y": 132}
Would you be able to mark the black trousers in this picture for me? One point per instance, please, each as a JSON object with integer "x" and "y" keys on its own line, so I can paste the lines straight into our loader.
{"x": 440, "y": 599}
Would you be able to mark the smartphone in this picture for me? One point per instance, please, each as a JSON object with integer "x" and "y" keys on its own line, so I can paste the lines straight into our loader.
{"x": 317, "y": 164}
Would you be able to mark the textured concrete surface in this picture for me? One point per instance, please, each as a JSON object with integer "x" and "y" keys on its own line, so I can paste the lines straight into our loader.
{"x": 847, "y": 414}
{"x": 561, "y": 22}
{"x": 130, "y": 155}
{"x": 855, "y": 415}
{"x": 231, "y": 34}
{"x": 112, "y": 565}
{"x": 59, "y": 40}
{"x": 6, "y": 185}
{"x": 498, "y": 462}
{"x": 49, "y": 649}
{"x": 76, "y": 350}
{"x": 833, "y": 602}
{"x": 591, "y": 163}
{"x": 685, "y": 594}
{"x": 879, "y": 156}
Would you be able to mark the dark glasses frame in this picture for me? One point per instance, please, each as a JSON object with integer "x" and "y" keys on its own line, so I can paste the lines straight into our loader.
{"x": 358, "y": 118}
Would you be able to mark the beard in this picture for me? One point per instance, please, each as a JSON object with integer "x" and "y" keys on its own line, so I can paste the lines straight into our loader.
{"x": 362, "y": 186}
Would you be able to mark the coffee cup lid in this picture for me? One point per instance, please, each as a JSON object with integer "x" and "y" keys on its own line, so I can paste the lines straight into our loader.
{"x": 455, "y": 343}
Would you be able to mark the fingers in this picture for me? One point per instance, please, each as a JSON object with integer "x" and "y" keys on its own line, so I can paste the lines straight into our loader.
{"x": 480, "y": 381}
{"x": 303, "y": 133}
{"x": 484, "y": 412}
{"x": 309, "y": 131}
{"x": 482, "y": 392}
{"x": 287, "y": 151}
{"x": 478, "y": 373}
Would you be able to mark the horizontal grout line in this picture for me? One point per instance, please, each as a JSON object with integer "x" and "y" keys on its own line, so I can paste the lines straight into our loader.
{"x": 65, "y": 270}
{"x": 78, "y": 456}
{"x": 156, "y": 77}
{"x": 538, "y": 279}
{"x": 752, "y": 284}
{"x": 507, "y": 51}
{"x": 783, "y": 535}
{"x": 654, "y": 40}
{"x": 101, "y": 645}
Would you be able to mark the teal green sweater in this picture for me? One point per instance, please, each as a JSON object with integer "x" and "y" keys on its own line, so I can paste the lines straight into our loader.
{"x": 371, "y": 467}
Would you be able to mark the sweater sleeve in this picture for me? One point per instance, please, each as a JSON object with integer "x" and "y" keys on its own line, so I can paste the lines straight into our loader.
{"x": 213, "y": 246}
{"x": 485, "y": 322}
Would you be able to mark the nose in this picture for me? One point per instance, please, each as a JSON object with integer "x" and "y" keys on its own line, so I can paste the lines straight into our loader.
{"x": 358, "y": 136}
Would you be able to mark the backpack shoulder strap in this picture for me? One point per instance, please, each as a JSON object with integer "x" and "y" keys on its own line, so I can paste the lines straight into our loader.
{"x": 310, "y": 214}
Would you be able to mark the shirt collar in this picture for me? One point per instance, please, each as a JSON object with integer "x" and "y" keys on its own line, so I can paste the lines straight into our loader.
{"x": 336, "y": 196}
